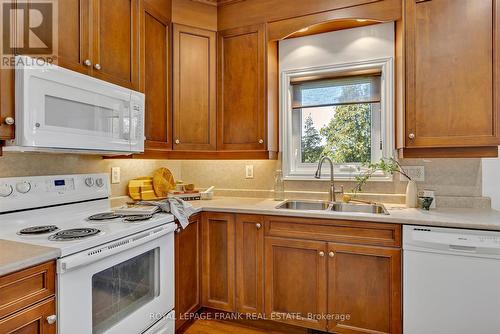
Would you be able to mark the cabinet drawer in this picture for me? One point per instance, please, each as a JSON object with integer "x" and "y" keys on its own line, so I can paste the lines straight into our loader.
{"x": 26, "y": 287}
{"x": 343, "y": 231}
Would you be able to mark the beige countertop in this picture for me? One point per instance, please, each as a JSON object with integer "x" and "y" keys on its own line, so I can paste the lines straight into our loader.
{"x": 15, "y": 256}
{"x": 486, "y": 219}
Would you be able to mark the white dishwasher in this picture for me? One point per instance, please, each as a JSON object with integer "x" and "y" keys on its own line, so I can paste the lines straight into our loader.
{"x": 451, "y": 281}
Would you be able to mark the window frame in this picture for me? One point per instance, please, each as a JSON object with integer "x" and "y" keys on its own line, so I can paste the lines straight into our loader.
{"x": 292, "y": 167}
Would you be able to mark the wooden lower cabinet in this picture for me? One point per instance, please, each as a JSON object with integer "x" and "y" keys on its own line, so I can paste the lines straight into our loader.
{"x": 296, "y": 281}
{"x": 32, "y": 320}
{"x": 27, "y": 301}
{"x": 218, "y": 261}
{"x": 187, "y": 271}
{"x": 364, "y": 283}
{"x": 322, "y": 277}
{"x": 249, "y": 264}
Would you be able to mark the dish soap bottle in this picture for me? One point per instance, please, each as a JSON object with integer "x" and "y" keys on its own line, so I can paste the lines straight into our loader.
{"x": 279, "y": 186}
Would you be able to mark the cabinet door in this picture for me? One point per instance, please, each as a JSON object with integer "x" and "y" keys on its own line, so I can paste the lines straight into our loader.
{"x": 115, "y": 41}
{"x": 242, "y": 89}
{"x": 156, "y": 76}
{"x": 32, "y": 320}
{"x": 250, "y": 264}
{"x": 451, "y": 57}
{"x": 295, "y": 283}
{"x": 365, "y": 284}
{"x": 74, "y": 39}
{"x": 218, "y": 233}
{"x": 187, "y": 270}
{"x": 194, "y": 89}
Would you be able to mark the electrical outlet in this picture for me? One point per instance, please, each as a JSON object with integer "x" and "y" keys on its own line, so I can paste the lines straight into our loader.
{"x": 249, "y": 172}
{"x": 115, "y": 175}
{"x": 417, "y": 173}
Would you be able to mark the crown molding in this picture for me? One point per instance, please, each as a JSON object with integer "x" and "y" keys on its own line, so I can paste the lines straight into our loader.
{"x": 217, "y": 3}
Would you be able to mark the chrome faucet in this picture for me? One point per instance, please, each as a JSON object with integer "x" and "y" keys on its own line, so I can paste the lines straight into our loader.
{"x": 317, "y": 175}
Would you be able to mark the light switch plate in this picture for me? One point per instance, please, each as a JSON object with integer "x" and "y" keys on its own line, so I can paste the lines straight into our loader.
{"x": 249, "y": 172}
{"x": 115, "y": 175}
{"x": 417, "y": 173}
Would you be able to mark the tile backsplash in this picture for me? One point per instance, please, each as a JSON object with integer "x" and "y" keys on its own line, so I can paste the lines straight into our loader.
{"x": 453, "y": 180}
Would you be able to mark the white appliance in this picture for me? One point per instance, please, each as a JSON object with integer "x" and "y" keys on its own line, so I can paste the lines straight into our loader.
{"x": 58, "y": 110}
{"x": 451, "y": 281}
{"x": 117, "y": 276}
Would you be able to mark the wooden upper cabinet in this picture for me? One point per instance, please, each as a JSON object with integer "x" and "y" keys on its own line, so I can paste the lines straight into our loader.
{"x": 218, "y": 264}
{"x": 187, "y": 270}
{"x": 296, "y": 281}
{"x": 115, "y": 44}
{"x": 250, "y": 264}
{"x": 364, "y": 283}
{"x": 194, "y": 88}
{"x": 156, "y": 79}
{"x": 73, "y": 39}
{"x": 242, "y": 97}
{"x": 452, "y": 54}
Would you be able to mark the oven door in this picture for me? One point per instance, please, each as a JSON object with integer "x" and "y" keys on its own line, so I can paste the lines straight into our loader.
{"x": 123, "y": 287}
{"x": 60, "y": 109}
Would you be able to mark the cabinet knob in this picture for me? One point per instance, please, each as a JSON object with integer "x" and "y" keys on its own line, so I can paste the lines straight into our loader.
{"x": 178, "y": 230}
{"x": 258, "y": 225}
{"x": 97, "y": 66}
{"x": 321, "y": 254}
{"x": 411, "y": 136}
{"x": 87, "y": 62}
{"x": 51, "y": 319}
{"x": 331, "y": 254}
{"x": 177, "y": 141}
{"x": 261, "y": 141}
{"x": 9, "y": 120}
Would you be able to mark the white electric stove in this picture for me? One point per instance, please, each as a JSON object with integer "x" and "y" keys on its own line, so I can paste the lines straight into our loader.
{"x": 115, "y": 272}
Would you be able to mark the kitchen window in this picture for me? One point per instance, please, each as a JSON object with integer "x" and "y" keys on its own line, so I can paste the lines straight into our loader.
{"x": 344, "y": 112}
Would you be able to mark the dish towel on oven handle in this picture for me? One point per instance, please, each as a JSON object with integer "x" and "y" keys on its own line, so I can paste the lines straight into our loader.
{"x": 181, "y": 210}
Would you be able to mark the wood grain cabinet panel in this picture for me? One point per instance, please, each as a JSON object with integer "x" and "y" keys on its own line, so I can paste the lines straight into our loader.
{"x": 364, "y": 283}
{"x": 187, "y": 270}
{"x": 116, "y": 41}
{"x": 296, "y": 281}
{"x": 26, "y": 287}
{"x": 218, "y": 264}
{"x": 73, "y": 39}
{"x": 451, "y": 59}
{"x": 250, "y": 264}
{"x": 32, "y": 320}
{"x": 242, "y": 97}
{"x": 194, "y": 82}
{"x": 157, "y": 83}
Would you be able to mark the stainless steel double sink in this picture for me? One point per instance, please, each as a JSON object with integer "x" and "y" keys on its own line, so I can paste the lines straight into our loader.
{"x": 334, "y": 207}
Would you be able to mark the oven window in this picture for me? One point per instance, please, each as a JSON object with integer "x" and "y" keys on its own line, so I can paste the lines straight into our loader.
{"x": 120, "y": 290}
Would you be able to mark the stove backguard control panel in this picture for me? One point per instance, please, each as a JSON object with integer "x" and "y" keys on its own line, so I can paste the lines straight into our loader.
{"x": 19, "y": 193}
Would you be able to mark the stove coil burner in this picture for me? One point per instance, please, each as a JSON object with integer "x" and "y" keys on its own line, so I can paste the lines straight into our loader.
{"x": 74, "y": 234}
{"x": 138, "y": 218}
{"x": 105, "y": 216}
{"x": 35, "y": 230}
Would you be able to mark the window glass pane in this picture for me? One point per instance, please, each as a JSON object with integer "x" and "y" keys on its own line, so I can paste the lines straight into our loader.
{"x": 122, "y": 289}
{"x": 337, "y": 91}
{"x": 342, "y": 132}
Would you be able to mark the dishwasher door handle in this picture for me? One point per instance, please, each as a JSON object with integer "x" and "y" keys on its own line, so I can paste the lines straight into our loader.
{"x": 469, "y": 249}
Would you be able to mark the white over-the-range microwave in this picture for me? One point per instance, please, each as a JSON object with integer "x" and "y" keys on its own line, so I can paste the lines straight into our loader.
{"x": 58, "y": 110}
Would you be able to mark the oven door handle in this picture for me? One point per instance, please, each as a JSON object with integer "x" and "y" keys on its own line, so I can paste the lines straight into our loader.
{"x": 95, "y": 254}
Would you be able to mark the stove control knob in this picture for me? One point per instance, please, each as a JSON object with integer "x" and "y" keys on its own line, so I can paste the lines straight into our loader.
{"x": 6, "y": 190}
{"x": 89, "y": 181}
{"x": 99, "y": 182}
{"x": 23, "y": 187}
